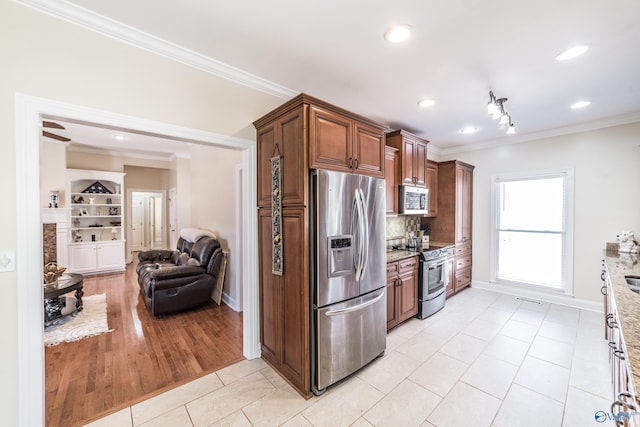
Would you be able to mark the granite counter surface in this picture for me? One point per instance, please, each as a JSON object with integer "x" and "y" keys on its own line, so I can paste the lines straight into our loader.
{"x": 628, "y": 305}
{"x": 397, "y": 255}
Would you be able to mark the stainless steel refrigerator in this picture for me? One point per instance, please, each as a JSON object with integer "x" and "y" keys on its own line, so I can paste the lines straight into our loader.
{"x": 348, "y": 274}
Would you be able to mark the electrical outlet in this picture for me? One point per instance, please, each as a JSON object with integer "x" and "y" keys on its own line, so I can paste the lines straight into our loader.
{"x": 7, "y": 261}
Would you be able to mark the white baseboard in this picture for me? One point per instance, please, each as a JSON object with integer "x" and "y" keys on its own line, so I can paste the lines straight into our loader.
{"x": 540, "y": 296}
{"x": 231, "y": 302}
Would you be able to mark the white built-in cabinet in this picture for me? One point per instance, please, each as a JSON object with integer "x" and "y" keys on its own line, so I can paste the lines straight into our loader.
{"x": 96, "y": 238}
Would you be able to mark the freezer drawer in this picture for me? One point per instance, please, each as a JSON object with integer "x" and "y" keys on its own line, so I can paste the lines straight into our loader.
{"x": 349, "y": 335}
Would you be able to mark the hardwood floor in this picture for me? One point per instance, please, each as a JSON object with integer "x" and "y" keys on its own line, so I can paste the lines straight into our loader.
{"x": 143, "y": 356}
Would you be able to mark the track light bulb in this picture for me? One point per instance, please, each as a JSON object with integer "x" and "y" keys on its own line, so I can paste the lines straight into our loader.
{"x": 511, "y": 130}
{"x": 504, "y": 119}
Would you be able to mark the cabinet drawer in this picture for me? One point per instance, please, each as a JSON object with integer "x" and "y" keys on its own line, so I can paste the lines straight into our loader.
{"x": 463, "y": 278}
{"x": 463, "y": 261}
{"x": 392, "y": 269}
{"x": 463, "y": 249}
{"x": 407, "y": 265}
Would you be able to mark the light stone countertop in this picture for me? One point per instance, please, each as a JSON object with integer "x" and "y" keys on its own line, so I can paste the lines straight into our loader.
{"x": 397, "y": 255}
{"x": 628, "y": 305}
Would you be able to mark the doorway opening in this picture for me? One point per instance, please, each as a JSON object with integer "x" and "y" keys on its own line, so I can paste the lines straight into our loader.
{"x": 29, "y": 112}
{"x": 148, "y": 221}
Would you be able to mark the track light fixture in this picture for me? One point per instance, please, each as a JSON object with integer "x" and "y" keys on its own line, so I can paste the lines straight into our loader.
{"x": 495, "y": 107}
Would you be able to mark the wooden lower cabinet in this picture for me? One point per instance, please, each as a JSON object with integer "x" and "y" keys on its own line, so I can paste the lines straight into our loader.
{"x": 462, "y": 266}
{"x": 284, "y": 300}
{"x": 402, "y": 290}
{"x": 451, "y": 279}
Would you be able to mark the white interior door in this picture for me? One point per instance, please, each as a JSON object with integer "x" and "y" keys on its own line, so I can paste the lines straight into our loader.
{"x": 173, "y": 219}
{"x": 137, "y": 222}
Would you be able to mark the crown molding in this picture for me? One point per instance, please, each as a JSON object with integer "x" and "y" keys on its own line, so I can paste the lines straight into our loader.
{"x": 101, "y": 24}
{"x": 565, "y": 130}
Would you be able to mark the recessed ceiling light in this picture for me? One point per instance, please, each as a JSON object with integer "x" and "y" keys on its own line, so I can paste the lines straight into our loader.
{"x": 468, "y": 130}
{"x": 398, "y": 33}
{"x": 426, "y": 102}
{"x": 572, "y": 53}
{"x": 580, "y": 104}
{"x": 120, "y": 137}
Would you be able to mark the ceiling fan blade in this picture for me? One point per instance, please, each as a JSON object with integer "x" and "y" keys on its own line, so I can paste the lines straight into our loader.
{"x": 47, "y": 124}
{"x": 54, "y": 136}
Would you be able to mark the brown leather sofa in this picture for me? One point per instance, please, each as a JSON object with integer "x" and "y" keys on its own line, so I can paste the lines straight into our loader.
{"x": 182, "y": 279}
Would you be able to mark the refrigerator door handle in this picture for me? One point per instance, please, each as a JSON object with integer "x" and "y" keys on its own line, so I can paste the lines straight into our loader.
{"x": 355, "y": 307}
{"x": 355, "y": 232}
{"x": 365, "y": 233}
{"x": 359, "y": 225}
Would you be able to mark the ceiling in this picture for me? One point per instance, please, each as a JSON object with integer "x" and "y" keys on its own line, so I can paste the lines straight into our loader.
{"x": 459, "y": 51}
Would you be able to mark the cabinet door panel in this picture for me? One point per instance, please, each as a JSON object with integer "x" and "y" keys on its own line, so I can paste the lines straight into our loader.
{"x": 266, "y": 141}
{"x": 290, "y": 135}
{"x": 420, "y": 164}
{"x": 392, "y": 313}
{"x": 330, "y": 141}
{"x": 369, "y": 151}
{"x": 82, "y": 258}
{"x": 270, "y": 299}
{"x": 295, "y": 297}
{"x": 390, "y": 174}
{"x": 408, "y": 173}
{"x": 408, "y": 296}
{"x": 432, "y": 185}
{"x": 110, "y": 255}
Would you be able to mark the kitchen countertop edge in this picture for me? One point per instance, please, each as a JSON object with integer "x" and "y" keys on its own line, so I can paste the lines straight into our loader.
{"x": 618, "y": 266}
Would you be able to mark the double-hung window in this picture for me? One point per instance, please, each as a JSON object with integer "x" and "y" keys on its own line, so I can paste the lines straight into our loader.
{"x": 532, "y": 236}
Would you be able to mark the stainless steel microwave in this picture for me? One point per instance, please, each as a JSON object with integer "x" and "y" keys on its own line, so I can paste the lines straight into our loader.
{"x": 413, "y": 200}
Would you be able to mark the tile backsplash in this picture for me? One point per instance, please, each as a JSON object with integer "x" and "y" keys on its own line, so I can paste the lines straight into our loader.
{"x": 399, "y": 226}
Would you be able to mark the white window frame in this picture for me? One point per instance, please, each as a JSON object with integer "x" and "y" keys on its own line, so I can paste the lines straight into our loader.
{"x": 567, "y": 270}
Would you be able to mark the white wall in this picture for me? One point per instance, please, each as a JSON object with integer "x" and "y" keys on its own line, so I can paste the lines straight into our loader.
{"x": 213, "y": 201}
{"x": 607, "y": 173}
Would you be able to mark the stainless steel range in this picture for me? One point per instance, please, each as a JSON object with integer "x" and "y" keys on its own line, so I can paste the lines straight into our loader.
{"x": 433, "y": 278}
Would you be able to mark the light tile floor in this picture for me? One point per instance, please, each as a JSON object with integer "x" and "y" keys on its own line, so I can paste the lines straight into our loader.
{"x": 486, "y": 359}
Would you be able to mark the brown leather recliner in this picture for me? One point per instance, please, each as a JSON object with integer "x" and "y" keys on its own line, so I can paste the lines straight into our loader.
{"x": 182, "y": 279}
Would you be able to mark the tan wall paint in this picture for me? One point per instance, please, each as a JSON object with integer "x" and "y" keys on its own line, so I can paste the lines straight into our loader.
{"x": 52, "y": 172}
{"x": 110, "y": 162}
{"x": 213, "y": 201}
{"x": 49, "y": 58}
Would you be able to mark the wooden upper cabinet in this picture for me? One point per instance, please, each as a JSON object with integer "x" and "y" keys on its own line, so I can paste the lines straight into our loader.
{"x": 455, "y": 197}
{"x": 368, "y": 150}
{"x": 331, "y": 140}
{"x": 391, "y": 164}
{"x": 432, "y": 185}
{"x": 266, "y": 141}
{"x": 413, "y": 157}
{"x": 464, "y": 195}
{"x": 420, "y": 163}
{"x": 338, "y": 142}
{"x": 287, "y": 132}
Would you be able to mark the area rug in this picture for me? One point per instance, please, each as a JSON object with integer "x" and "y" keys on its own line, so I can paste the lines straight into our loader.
{"x": 91, "y": 321}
